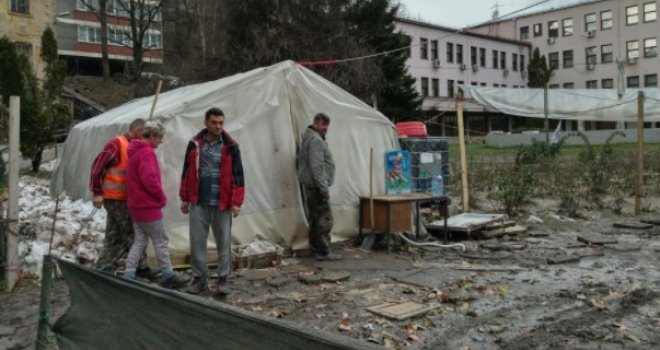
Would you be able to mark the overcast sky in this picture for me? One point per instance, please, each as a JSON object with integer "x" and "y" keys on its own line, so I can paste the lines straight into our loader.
{"x": 461, "y": 13}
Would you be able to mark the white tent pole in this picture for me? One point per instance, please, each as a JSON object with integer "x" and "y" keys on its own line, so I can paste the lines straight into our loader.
{"x": 13, "y": 267}
{"x": 640, "y": 152}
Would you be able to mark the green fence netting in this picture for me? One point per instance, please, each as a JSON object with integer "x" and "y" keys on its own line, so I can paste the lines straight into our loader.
{"x": 112, "y": 313}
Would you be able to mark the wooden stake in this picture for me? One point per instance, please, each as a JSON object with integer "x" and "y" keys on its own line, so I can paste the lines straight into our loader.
{"x": 44, "y": 303}
{"x": 153, "y": 105}
{"x": 371, "y": 190}
{"x": 640, "y": 152}
{"x": 461, "y": 147}
{"x": 13, "y": 267}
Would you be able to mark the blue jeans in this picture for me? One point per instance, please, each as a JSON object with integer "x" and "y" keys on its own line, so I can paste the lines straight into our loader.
{"x": 201, "y": 218}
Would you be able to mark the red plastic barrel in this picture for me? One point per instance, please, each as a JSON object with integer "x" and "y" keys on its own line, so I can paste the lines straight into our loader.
{"x": 411, "y": 129}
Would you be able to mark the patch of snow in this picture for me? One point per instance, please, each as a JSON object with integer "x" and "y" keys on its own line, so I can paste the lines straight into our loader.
{"x": 78, "y": 231}
{"x": 48, "y": 166}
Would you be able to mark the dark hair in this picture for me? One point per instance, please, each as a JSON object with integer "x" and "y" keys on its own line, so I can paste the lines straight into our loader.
{"x": 214, "y": 111}
{"x": 321, "y": 118}
{"x": 135, "y": 124}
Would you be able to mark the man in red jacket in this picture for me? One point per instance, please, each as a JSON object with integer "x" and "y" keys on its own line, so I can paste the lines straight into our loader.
{"x": 212, "y": 191}
{"x": 108, "y": 184}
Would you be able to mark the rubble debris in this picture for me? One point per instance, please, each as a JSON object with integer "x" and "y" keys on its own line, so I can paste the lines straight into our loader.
{"x": 596, "y": 239}
{"x": 310, "y": 278}
{"x": 624, "y": 247}
{"x": 335, "y": 276}
{"x": 651, "y": 221}
{"x": 563, "y": 259}
{"x": 499, "y": 232}
{"x": 278, "y": 281}
{"x": 400, "y": 311}
{"x": 633, "y": 225}
{"x": 532, "y": 219}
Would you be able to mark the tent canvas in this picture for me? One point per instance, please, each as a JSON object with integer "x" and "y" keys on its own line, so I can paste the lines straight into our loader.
{"x": 267, "y": 110}
{"x": 570, "y": 104}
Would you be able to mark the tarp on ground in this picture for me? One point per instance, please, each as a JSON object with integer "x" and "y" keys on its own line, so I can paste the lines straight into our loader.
{"x": 108, "y": 312}
{"x": 569, "y": 104}
{"x": 267, "y": 110}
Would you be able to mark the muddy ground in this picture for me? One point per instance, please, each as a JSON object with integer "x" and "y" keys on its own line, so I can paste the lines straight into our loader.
{"x": 543, "y": 289}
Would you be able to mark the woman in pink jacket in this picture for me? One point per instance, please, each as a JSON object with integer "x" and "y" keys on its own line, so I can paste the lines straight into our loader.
{"x": 145, "y": 202}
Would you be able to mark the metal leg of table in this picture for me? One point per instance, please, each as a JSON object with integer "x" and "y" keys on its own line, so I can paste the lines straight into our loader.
{"x": 417, "y": 222}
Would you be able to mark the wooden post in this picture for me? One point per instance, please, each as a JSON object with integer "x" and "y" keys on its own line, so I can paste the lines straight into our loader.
{"x": 640, "y": 152}
{"x": 461, "y": 147}
{"x": 44, "y": 303}
{"x": 371, "y": 190}
{"x": 13, "y": 267}
{"x": 153, "y": 105}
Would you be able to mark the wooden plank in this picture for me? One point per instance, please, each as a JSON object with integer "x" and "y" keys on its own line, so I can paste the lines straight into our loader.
{"x": 633, "y": 225}
{"x": 513, "y": 230}
{"x": 400, "y": 311}
{"x": 499, "y": 224}
{"x": 650, "y": 221}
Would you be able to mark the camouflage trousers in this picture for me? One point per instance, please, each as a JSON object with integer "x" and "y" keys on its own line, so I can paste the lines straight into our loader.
{"x": 119, "y": 236}
{"x": 319, "y": 217}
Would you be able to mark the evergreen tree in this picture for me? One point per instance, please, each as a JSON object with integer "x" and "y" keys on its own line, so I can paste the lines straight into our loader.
{"x": 11, "y": 71}
{"x": 372, "y": 23}
{"x": 41, "y": 112}
{"x": 538, "y": 71}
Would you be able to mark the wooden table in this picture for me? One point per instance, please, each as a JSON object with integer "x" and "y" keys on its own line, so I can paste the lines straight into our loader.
{"x": 392, "y": 213}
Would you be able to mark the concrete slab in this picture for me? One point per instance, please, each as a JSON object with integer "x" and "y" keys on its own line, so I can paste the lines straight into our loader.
{"x": 632, "y": 225}
{"x": 335, "y": 276}
{"x": 596, "y": 239}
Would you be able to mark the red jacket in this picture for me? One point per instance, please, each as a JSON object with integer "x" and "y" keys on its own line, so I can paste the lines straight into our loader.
{"x": 232, "y": 182}
{"x": 145, "y": 188}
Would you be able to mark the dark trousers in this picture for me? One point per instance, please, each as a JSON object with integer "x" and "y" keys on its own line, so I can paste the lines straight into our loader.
{"x": 319, "y": 217}
{"x": 119, "y": 236}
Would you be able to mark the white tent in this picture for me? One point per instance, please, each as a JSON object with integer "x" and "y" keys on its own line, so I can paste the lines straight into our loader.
{"x": 569, "y": 104}
{"x": 267, "y": 110}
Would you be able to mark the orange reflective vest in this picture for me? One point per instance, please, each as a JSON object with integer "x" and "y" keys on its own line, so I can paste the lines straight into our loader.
{"x": 114, "y": 182}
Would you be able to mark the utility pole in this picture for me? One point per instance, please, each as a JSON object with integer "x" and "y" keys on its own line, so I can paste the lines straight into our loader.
{"x": 13, "y": 266}
{"x": 640, "y": 152}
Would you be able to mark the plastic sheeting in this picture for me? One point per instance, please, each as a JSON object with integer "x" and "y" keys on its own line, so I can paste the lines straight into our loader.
{"x": 570, "y": 104}
{"x": 107, "y": 312}
{"x": 267, "y": 110}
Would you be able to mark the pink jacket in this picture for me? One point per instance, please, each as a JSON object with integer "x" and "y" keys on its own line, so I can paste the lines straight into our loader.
{"x": 145, "y": 189}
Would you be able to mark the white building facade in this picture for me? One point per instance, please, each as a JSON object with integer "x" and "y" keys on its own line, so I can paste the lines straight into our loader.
{"x": 604, "y": 44}
{"x": 443, "y": 58}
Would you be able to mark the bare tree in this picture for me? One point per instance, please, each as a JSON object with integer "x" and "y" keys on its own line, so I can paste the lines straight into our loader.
{"x": 102, "y": 14}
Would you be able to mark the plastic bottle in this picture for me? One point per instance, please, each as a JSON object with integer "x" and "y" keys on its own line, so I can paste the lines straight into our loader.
{"x": 438, "y": 186}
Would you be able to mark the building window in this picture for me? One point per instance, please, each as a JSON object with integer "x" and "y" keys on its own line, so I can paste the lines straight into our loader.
{"x": 121, "y": 37}
{"x": 522, "y": 63}
{"x": 553, "y": 86}
{"x": 473, "y": 55}
{"x": 474, "y": 83}
{"x": 632, "y": 15}
{"x": 423, "y": 48}
{"x": 568, "y": 58}
{"x": 459, "y": 53}
{"x": 435, "y": 87}
{"x": 151, "y": 41}
{"x": 524, "y": 33}
{"x": 88, "y": 34}
{"x": 425, "y": 87}
{"x": 450, "y": 88}
{"x": 650, "y": 12}
{"x": 632, "y": 82}
{"x": 590, "y": 22}
{"x": 434, "y": 49}
{"x": 514, "y": 61}
{"x": 24, "y": 49}
{"x": 483, "y": 84}
{"x": 651, "y": 80}
{"x": 569, "y": 86}
{"x": 503, "y": 85}
{"x": 553, "y": 60}
{"x": 496, "y": 85}
{"x": 495, "y": 54}
{"x": 482, "y": 57}
{"x": 607, "y": 84}
{"x": 450, "y": 53}
{"x": 591, "y": 55}
{"x": 632, "y": 49}
{"x": 502, "y": 60}
{"x": 650, "y": 45}
{"x": 20, "y": 6}
{"x": 606, "y": 53}
{"x": 553, "y": 29}
{"x": 538, "y": 29}
{"x": 592, "y": 84}
{"x": 606, "y": 20}
{"x": 567, "y": 27}
{"x": 85, "y": 6}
